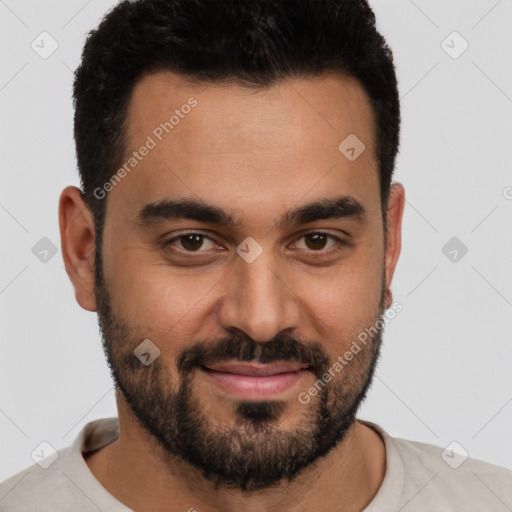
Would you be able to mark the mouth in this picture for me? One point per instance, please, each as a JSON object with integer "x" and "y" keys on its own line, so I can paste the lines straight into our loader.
{"x": 255, "y": 380}
{"x": 256, "y": 369}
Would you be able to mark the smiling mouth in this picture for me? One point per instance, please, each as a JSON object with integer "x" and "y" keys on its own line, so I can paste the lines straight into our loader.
{"x": 255, "y": 380}
{"x": 256, "y": 369}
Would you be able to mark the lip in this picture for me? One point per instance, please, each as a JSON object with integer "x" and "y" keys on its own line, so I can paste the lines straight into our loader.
{"x": 256, "y": 381}
{"x": 256, "y": 369}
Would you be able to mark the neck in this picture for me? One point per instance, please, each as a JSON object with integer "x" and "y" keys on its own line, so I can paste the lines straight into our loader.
{"x": 136, "y": 472}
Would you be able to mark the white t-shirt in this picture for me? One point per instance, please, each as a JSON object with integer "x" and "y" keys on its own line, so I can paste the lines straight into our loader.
{"x": 419, "y": 478}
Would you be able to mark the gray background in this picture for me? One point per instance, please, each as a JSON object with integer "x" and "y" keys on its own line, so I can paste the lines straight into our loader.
{"x": 445, "y": 370}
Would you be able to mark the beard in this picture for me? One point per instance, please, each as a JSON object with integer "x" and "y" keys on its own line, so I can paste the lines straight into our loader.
{"x": 253, "y": 453}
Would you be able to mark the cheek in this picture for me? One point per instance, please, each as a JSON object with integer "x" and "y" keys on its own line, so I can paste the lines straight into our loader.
{"x": 161, "y": 302}
{"x": 346, "y": 301}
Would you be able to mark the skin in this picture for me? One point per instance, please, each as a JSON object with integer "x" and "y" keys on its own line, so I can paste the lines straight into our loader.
{"x": 255, "y": 154}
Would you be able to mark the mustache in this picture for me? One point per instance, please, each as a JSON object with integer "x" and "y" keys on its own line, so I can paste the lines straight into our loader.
{"x": 281, "y": 348}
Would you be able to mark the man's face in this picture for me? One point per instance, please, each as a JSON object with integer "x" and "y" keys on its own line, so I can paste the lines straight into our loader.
{"x": 292, "y": 293}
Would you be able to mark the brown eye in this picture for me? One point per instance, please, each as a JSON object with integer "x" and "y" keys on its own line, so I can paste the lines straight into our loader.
{"x": 190, "y": 242}
{"x": 318, "y": 242}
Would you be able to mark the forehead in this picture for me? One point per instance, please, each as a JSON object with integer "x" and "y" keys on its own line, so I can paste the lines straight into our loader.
{"x": 235, "y": 145}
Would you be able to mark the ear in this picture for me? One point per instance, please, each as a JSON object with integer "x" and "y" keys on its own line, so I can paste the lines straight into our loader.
{"x": 76, "y": 224}
{"x": 394, "y": 215}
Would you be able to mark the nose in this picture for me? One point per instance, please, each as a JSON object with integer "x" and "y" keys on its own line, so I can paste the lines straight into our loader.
{"x": 259, "y": 300}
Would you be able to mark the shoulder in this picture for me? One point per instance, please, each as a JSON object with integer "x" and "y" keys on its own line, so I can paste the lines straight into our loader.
{"x": 63, "y": 482}
{"x": 448, "y": 474}
{"x": 37, "y": 487}
{"x": 424, "y": 477}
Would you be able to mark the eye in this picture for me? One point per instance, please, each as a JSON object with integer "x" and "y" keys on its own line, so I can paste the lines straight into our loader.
{"x": 191, "y": 242}
{"x": 314, "y": 242}
{"x": 317, "y": 241}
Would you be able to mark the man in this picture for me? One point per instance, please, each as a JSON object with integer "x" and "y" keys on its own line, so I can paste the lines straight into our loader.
{"x": 237, "y": 233}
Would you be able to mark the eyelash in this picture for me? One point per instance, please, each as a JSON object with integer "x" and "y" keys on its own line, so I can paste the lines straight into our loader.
{"x": 340, "y": 244}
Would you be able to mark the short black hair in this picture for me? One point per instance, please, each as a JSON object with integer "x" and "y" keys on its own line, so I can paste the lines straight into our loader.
{"x": 255, "y": 43}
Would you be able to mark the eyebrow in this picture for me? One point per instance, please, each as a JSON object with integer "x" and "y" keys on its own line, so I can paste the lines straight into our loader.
{"x": 342, "y": 207}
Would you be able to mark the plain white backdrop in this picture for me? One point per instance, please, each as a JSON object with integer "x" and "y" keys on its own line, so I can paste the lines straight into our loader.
{"x": 445, "y": 370}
